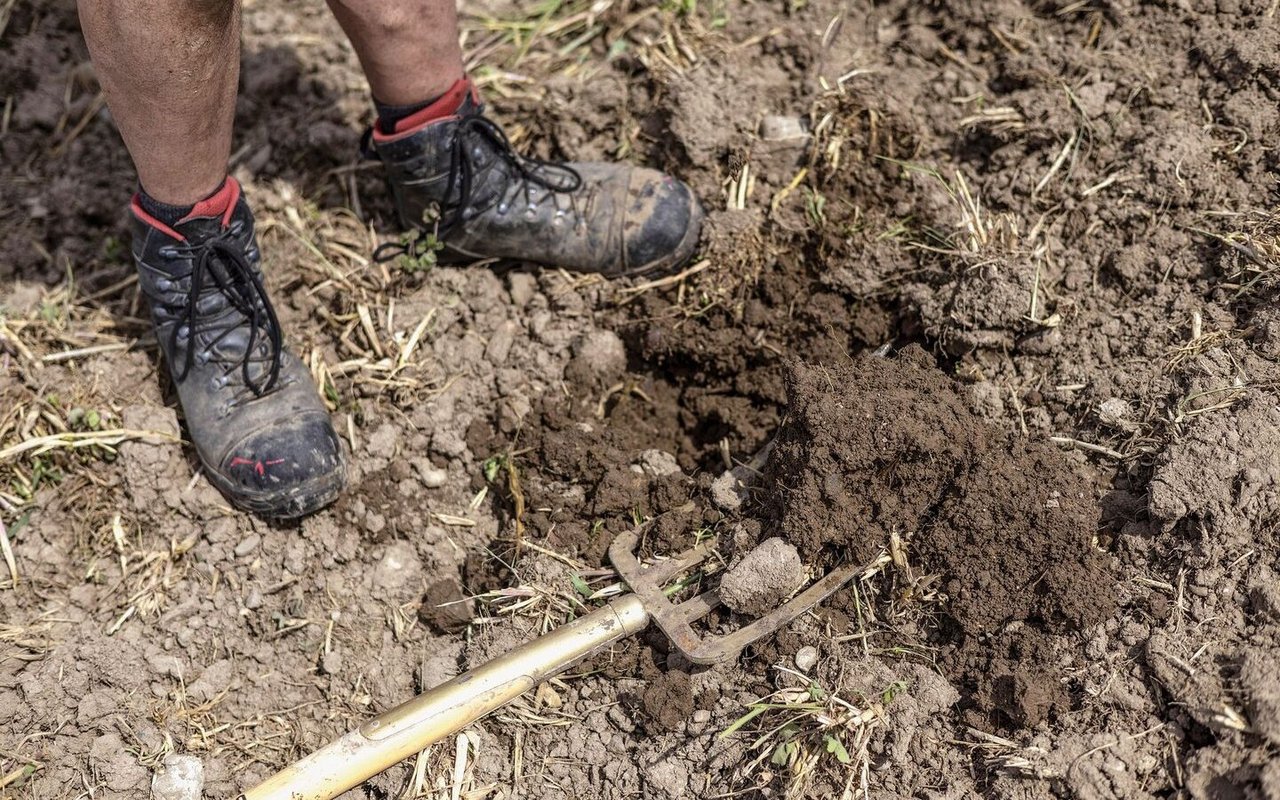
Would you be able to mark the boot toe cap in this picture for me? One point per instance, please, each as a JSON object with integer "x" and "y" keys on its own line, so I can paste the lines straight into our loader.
{"x": 662, "y": 223}
{"x": 286, "y": 470}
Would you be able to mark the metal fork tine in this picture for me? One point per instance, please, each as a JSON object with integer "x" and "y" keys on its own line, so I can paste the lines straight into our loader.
{"x": 663, "y": 571}
{"x": 698, "y": 607}
{"x": 675, "y": 619}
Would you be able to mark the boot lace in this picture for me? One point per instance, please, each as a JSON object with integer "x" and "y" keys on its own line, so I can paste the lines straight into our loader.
{"x": 220, "y": 267}
{"x": 528, "y": 172}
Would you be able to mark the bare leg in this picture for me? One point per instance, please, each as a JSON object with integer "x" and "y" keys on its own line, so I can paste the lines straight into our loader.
{"x": 169, "y": 70}
{"x": 409, "y": 48}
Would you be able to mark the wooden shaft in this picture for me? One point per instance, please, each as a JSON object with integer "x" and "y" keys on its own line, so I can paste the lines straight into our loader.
{"x": 431, "y": 716}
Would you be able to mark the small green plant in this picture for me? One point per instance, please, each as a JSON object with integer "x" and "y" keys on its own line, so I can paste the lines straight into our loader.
{"x": 113, "y": 249}
{"x": 421, "y": 253}
{"x": 802, "y": 730}
{"x": 815, "y": 204}
{"x": 894, "y": 689}
{"x": 84, "y": 420}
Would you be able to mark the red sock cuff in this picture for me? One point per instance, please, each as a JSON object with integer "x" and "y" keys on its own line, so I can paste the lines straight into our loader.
{"x": 221, "y": 203}
{"x": 446, "y": 106}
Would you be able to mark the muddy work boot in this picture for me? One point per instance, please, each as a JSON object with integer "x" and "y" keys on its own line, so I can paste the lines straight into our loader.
{"x": 456, "y": 179}
{"x": 251, "y": 408}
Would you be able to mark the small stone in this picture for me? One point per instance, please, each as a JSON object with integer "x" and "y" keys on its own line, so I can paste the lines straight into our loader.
{"x": 430, "y": 475}
{"x": 658, "y": 464}
{"x": 780, "y": 128}
{"x": 806, "y": 658}
{"x": 331, "y": 663}
{"x": 398, "y": 565}
{"x": 730, "y": 489}
{"x": 701, "y": 716}
{"x": 1117, "y": 413}
{"x": 500, "y": 342}
{"x": 248, "y": 545}
{"x": 521, "y": 286}
{"x": 167, "y": 665}
{"x": 254, "y": 600}
{"x": 597, "y": 356}
{"x": 181, "y": 778}
{"x": 763, "y": 578}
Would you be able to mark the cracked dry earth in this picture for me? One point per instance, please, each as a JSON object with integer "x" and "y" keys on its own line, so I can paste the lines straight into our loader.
{"x": 1061, "y": 472}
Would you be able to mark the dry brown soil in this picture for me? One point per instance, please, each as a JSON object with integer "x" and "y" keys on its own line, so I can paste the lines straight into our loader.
{"x": 1051, "y": 220}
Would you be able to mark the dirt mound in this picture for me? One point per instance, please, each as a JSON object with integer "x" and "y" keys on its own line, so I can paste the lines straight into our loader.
{"x": 884, "y": 454}
{"x": 884, "y": 446}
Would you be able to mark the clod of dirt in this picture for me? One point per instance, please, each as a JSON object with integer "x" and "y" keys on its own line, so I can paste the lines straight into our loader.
{"x": 763, "y": 578}
{"x": 729, "y": 491}
{"x": 889, "y": 445}
{"x": 181, "y": 778}
{"x": 445, "y": 608}
{"x": 668, "y": 700}
{"x": 657, "y": 464}
{"x": 599, "y": 358}
{"x": 1260, "y": 676}
{"x": 1225, "y": 472}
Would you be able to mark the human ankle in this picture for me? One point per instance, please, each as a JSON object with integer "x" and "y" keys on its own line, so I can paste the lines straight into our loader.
{"x": 398, "y": 118}
{"x": 217, "y": 204}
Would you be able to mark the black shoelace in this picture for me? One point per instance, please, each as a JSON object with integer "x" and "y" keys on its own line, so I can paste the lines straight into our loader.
{"x": 551, "y": 176}
{"x": 222, "y": 259}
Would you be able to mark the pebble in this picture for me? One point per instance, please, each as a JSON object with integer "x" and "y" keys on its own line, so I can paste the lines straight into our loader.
{"x": 780, "y": 128}
{"x": 254, "y": 600}
{"x": 806, "y": 658}
{"x": 729, "y": 490}
{"x": 162, "y": 664}
{"x": 431, "y": 476}
{"x": 1118, "y": 414}
{"x": 521, "y": 287}
{"x": 181, "y": 778}
{"x": 657, "y": 464}
{"x": 331, "y": 663}
{"x": 702, "y": 716}
{"x": 248, "y": 545}
{"x": 500, "y": 342}
{"x": 619, "y": 717}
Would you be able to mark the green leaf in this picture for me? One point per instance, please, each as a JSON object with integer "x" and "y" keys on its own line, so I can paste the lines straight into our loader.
{"x": 755, "y": 711}
{"x": 20, "y": 524}
{"x": 782, "y": 754}
{"x": 492, "y": 465}
{"x": 896, "y": 688}
{"x": 836, "y": 748}
{"x": 580, "y": 586}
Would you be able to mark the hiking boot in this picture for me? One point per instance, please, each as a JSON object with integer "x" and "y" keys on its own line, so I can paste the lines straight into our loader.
{"x": 456, "y": 179}
{"x": 251, "y": 408}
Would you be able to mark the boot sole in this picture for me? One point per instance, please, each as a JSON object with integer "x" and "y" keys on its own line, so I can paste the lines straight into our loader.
{"x": 299, "y": 501}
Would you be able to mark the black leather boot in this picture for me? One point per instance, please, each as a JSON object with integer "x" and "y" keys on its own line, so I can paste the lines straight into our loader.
{"x": 458, "y": 181}
{"x": 251, "y": 408}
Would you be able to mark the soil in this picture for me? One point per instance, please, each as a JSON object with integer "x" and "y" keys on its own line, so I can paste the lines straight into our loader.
{"x": 1053, "y": 224}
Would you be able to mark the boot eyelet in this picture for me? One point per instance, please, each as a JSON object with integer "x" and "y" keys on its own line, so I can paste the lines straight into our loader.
{"x": 168, "y": 252}
{"x": 183, "y": 331}
{"x": 164, "y": 284}
{"x": 502, "y": 208}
